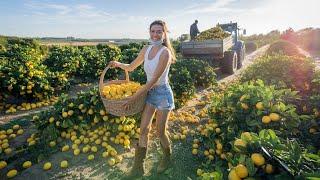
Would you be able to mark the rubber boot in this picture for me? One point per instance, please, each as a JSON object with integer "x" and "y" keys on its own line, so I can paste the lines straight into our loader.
{"x": 138, "y": 168}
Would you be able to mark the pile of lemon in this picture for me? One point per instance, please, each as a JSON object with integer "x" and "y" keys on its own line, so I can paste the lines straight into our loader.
{"x": 120, "y": 91}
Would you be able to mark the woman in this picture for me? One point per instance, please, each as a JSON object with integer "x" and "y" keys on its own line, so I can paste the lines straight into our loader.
{"x": 157, "y": 59}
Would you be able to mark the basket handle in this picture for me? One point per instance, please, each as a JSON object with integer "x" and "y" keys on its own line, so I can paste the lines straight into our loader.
{"x": 103, "y": 74}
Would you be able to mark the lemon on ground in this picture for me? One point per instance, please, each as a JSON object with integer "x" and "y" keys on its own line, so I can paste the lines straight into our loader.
{"x": 65, "y": 148}
{"x": 269, "y": 169}
{"x": 27, "y": 164}
{"x": 76, "y": 152}
{"x": 3, "y": 164}
{"x": 91, "y": 157}
{"x": 259, "y": 106}
{"x": 64, "y": 164}
{"x": 12, "y": 173}
{"x": 47, "y": 166}
{"x": 111, "y": 161}
{"x": 239, "y": 143}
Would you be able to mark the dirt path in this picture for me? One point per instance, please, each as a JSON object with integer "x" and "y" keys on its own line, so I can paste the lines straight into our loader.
{"x": 314, "y": 55}
{"x": 184, "y": 165}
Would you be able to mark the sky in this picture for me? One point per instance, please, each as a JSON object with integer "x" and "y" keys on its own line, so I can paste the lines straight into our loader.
{"x": 131, "y": 18}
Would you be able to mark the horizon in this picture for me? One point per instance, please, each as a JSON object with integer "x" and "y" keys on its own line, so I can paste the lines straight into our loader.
{"x": 130, "y": 20}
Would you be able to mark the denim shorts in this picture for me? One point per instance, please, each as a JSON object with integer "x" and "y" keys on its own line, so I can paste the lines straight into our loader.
{"x": 161, "y": 97}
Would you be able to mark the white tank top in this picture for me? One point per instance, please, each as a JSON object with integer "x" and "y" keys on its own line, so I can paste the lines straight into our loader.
{"x": 151, "y": 65}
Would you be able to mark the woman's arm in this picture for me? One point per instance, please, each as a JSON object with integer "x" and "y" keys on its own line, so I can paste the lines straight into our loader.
{"x": 163, "y": 63}
{"x": 134, "y": 64}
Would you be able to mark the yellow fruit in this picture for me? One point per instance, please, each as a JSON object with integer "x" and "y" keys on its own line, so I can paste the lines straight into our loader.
{"x": 64, "y": 164}
{"x": 12, "y": 173}
{"x": 111, "y": 161}
{"x": 52, "y": 143}
{"x": 16, "y": 127}
{"x": 3, "y": 164}
{"x": 65, "y": 148}
{"x": 269, "y": 169}
{"x": 176, "y": 137}
{"x": 199, "y": 172}
{"x": 9, "y": 131}
{"x": 241, "y": 171}
{"x": 27, "y": 164}
{"x": 233, "y": 175}
{"x": 76, "y": 152}
{"x": 266, "y": 119}
{"x": 51, "y": 119}
{"x": 47, "y": 166}
{"x": 94, "y": 149}
{"x": 8, "y": 151}
{"x": 64, "y": 114}
{"x": 274, "y": 117}
{"x": 85, "y": 149}
{"x": 218, "y": 130}
{"x": 246, "y": 135}
{"x": 219, "y": 146}
{"x": 77, "y": 141}
{"x": 259, "y": 106}
{"x": 239, "y": 143}
{"x": 312, "y": 130}
{"x": 20, "y": 131}
{"x": 194, "y": 151}
{"x": 70, "y": 112}
{"x": 257, "y": 159}
{"x": 244, "y": 106}
{"x": 91, "y": 157}
{"x": 195, "y": 146}
{"x": 5, "y": 145}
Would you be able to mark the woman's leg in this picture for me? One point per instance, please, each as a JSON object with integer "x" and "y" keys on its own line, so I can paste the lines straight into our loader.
{"x": 162, "y": 121}
{"x": 141, "y": 149}
{"x": 145, "y": 125}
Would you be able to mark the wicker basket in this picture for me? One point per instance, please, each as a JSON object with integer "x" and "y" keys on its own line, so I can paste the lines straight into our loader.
{"x": 115, "y": 107}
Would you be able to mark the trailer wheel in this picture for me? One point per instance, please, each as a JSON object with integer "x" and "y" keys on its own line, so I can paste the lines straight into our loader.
{"x": 229, "y": 62}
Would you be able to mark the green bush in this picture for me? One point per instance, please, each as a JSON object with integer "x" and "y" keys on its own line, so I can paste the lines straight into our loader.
{"x": 66, "y": 59}
{"x": 201, "y": 72}
{"x": 282, "y": 71}
{"x": 283, "y": 47}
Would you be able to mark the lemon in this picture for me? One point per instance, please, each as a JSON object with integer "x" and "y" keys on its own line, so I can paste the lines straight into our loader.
{"x": 259, "y": 106}
{"x": 90, "y": 157}
{"x": 70, "y": 112}
{"x": 76, "y": 152}
{"x": 51, "y": 119}
{"x": 85, "y": 149}
{"x": 12, "y": 173}
{"x": 64, "y": 114}
{"x": 3, "y": 164}
{"x": 105, "y": 154}
{"x": 199, "y": 172}
{"x": 8, "y": 151}
{"x": 241, "y": 143}
{"x": 52, "y": 143}
{"x": 244, "y": 106}
{"x": 269, "y": 169}
{"x": 65, "y": 148}
{"x": 274, "y": 117}
{"x": 94, "y": 149}
{"x": 9, "y": 131}
{"x": 194, "y": 151}
{"x": 219, "y": 146}
{"x": 257, "y": 159}
{"x": 246, "y": 136}
{"x": 20, "y": 131}
{"x": 16, "y": 127}
{"x": 64, "y": 164}
{"x": 111, "y": 161}
{"x": 233, "y": 175}
{"x": 195, "y": 146}
{"x": 266, "y": 119}
{"x": 27, "y": 164}
{"x": 47, "y": 166}
{"x": 241, "y": 171}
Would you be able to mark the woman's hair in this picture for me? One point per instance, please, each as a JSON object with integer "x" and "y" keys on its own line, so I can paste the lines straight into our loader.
{"x": 166, "y": 40}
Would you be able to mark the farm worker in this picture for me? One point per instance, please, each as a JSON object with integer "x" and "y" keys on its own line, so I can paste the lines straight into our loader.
{"x": 194, "y": 31}
{"x": 157, "y": 58}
